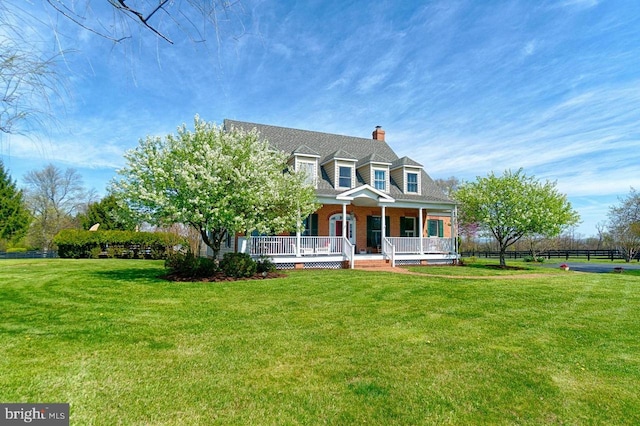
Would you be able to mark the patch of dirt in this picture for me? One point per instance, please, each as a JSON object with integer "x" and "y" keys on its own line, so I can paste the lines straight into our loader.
{"x": 505, "y": 268}
{"x": 219, "y": 277}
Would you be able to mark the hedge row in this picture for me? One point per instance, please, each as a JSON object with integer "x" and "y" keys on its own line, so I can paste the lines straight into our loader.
{"x": 79, "y": 244}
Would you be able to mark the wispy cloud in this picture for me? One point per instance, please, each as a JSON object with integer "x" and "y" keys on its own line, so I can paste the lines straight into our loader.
{"x": 462, "y": 87}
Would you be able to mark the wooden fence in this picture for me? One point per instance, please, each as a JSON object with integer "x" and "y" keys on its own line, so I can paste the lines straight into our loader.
{"x": 609, "y": 255}
{"x": 34, "y": 254}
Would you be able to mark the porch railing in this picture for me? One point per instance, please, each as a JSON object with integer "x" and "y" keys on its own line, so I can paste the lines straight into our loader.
{"x": 286, "y": 246}
{"x": 437, "y": 245}
{"x": 389, "y": 251}
{"x": 349, "y": 252}
{"x": 411, "y": 245}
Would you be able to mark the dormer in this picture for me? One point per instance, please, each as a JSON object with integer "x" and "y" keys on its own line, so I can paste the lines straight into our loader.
{"x": 407, "y": 174}
{"x": 375, "y": 172}
{"x": 341, "y": 169}
{"x": 305, "y": 158}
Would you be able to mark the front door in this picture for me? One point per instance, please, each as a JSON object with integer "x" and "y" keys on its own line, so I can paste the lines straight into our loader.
{"x": 335, "y": 227}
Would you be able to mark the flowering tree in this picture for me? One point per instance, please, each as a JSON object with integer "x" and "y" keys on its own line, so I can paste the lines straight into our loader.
{"x": 624, "y": 225}
{"x": 217, "y": 180}
{"x": 514, "y": 205}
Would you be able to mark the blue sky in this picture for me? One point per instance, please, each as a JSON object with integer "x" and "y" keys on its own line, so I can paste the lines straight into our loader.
{"x": 463, "y": 87}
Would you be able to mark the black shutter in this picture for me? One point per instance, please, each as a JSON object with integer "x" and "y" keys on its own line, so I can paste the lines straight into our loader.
{"x": 314, "y": 224}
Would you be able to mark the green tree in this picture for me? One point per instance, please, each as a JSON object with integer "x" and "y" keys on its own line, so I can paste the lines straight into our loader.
{"x": 54, "y": 198}
{"x": 624, "y": 225}
{"x": 14, "y": 216}
{"x": 109, "y": 213}
{"x": 514, "y": 205}
{"x": 216, "y": 180}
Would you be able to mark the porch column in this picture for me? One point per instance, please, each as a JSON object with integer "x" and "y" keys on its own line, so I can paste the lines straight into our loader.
{"x": 298, "y": 236}
{"x": 384, "y": 224}
{"x": 344, "y": 221}
{"x": 421, "y": 229}
{"x": 454, "y": 235}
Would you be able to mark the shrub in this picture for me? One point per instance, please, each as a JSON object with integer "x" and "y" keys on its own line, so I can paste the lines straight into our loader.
{"x": 189, "y": 265}
{"x": 17, "y": 250}
{"x": 264, "y": 264}
{"x": 76, "y": 243}
{"x": 238, "y": 265}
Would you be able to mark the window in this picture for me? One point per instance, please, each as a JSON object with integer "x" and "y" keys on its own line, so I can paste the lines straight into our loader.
{"x": 380, "y": 180}
{"x": 412, "y": 182}
{"x": 435, "y": 228}
{"x": 344, "y": 180}
{"x": 407, "y": 226}
{"x": 374, "y": 230}
{"x": 309, "y": 169}
{"x": 310, "y": 225}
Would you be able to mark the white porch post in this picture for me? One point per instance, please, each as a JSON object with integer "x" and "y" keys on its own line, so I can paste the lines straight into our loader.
{"x": 344, "y": 222}
{"x": 298, "y": 236}
{"x": 421, "y": 230}
{"x": 454, "y": 230}
{"x": 384, "y": 224}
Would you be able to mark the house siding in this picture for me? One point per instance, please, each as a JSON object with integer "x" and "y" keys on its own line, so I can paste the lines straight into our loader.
{"x": 366, "y": 174}
{"x": 398, "y": 176}
{"x": 331, "y": 171}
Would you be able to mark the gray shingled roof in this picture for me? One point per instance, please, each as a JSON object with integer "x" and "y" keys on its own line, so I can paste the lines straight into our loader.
{"x": 339, "y": 154}
{"x": 373, "y": 158}
{"x": 404, "y": 161}
{"x": 305, "y": 150}
{"x": 326, "y": 145}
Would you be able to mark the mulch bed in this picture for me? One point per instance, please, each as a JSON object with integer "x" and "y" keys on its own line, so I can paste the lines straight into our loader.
{"x": 505, "y": 268}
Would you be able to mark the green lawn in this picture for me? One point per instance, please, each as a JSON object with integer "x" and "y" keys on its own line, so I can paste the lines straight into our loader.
{"x": 336, "y": 347}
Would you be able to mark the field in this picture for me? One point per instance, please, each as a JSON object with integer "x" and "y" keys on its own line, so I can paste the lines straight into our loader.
{"x": 439, "y": 346}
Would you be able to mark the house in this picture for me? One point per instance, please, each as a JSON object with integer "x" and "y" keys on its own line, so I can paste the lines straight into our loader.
{"x": 358, "y": 182}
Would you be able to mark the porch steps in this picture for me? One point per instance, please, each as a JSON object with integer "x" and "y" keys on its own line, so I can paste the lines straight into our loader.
{"x": 372, "y": 263}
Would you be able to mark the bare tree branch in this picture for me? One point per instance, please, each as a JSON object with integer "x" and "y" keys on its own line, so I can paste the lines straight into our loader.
{"x": 120, "y": 4}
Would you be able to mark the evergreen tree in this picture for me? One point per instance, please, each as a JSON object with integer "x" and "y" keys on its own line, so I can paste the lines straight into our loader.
{"x": 109, "y": 214}
{"x": 14, "y": 217}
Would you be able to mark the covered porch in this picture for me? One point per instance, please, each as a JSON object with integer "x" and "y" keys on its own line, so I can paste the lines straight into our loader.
{"x": 364, "y": 225}
{"x": 289, "y": 252}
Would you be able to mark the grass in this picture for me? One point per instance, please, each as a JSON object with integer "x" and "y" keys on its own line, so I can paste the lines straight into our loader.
{"x": 336, "y": 347}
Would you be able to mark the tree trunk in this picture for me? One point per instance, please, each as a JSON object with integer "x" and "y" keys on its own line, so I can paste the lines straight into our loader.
{"x": 213, "y": 241}
{"x": 503, "y": 251}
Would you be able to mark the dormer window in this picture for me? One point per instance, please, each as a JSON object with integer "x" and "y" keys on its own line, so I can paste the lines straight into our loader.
{"x": 406, "y": 173}
{"x": 380, "y": 179}
{"x": 412, "y": 183}
{"x": 305, "y": 160}
{"x": 344, "y": 179}
{"x": 309, "y": 169}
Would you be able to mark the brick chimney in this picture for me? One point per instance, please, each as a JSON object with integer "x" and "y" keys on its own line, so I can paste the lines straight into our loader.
{"x": 378, "y": 134}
